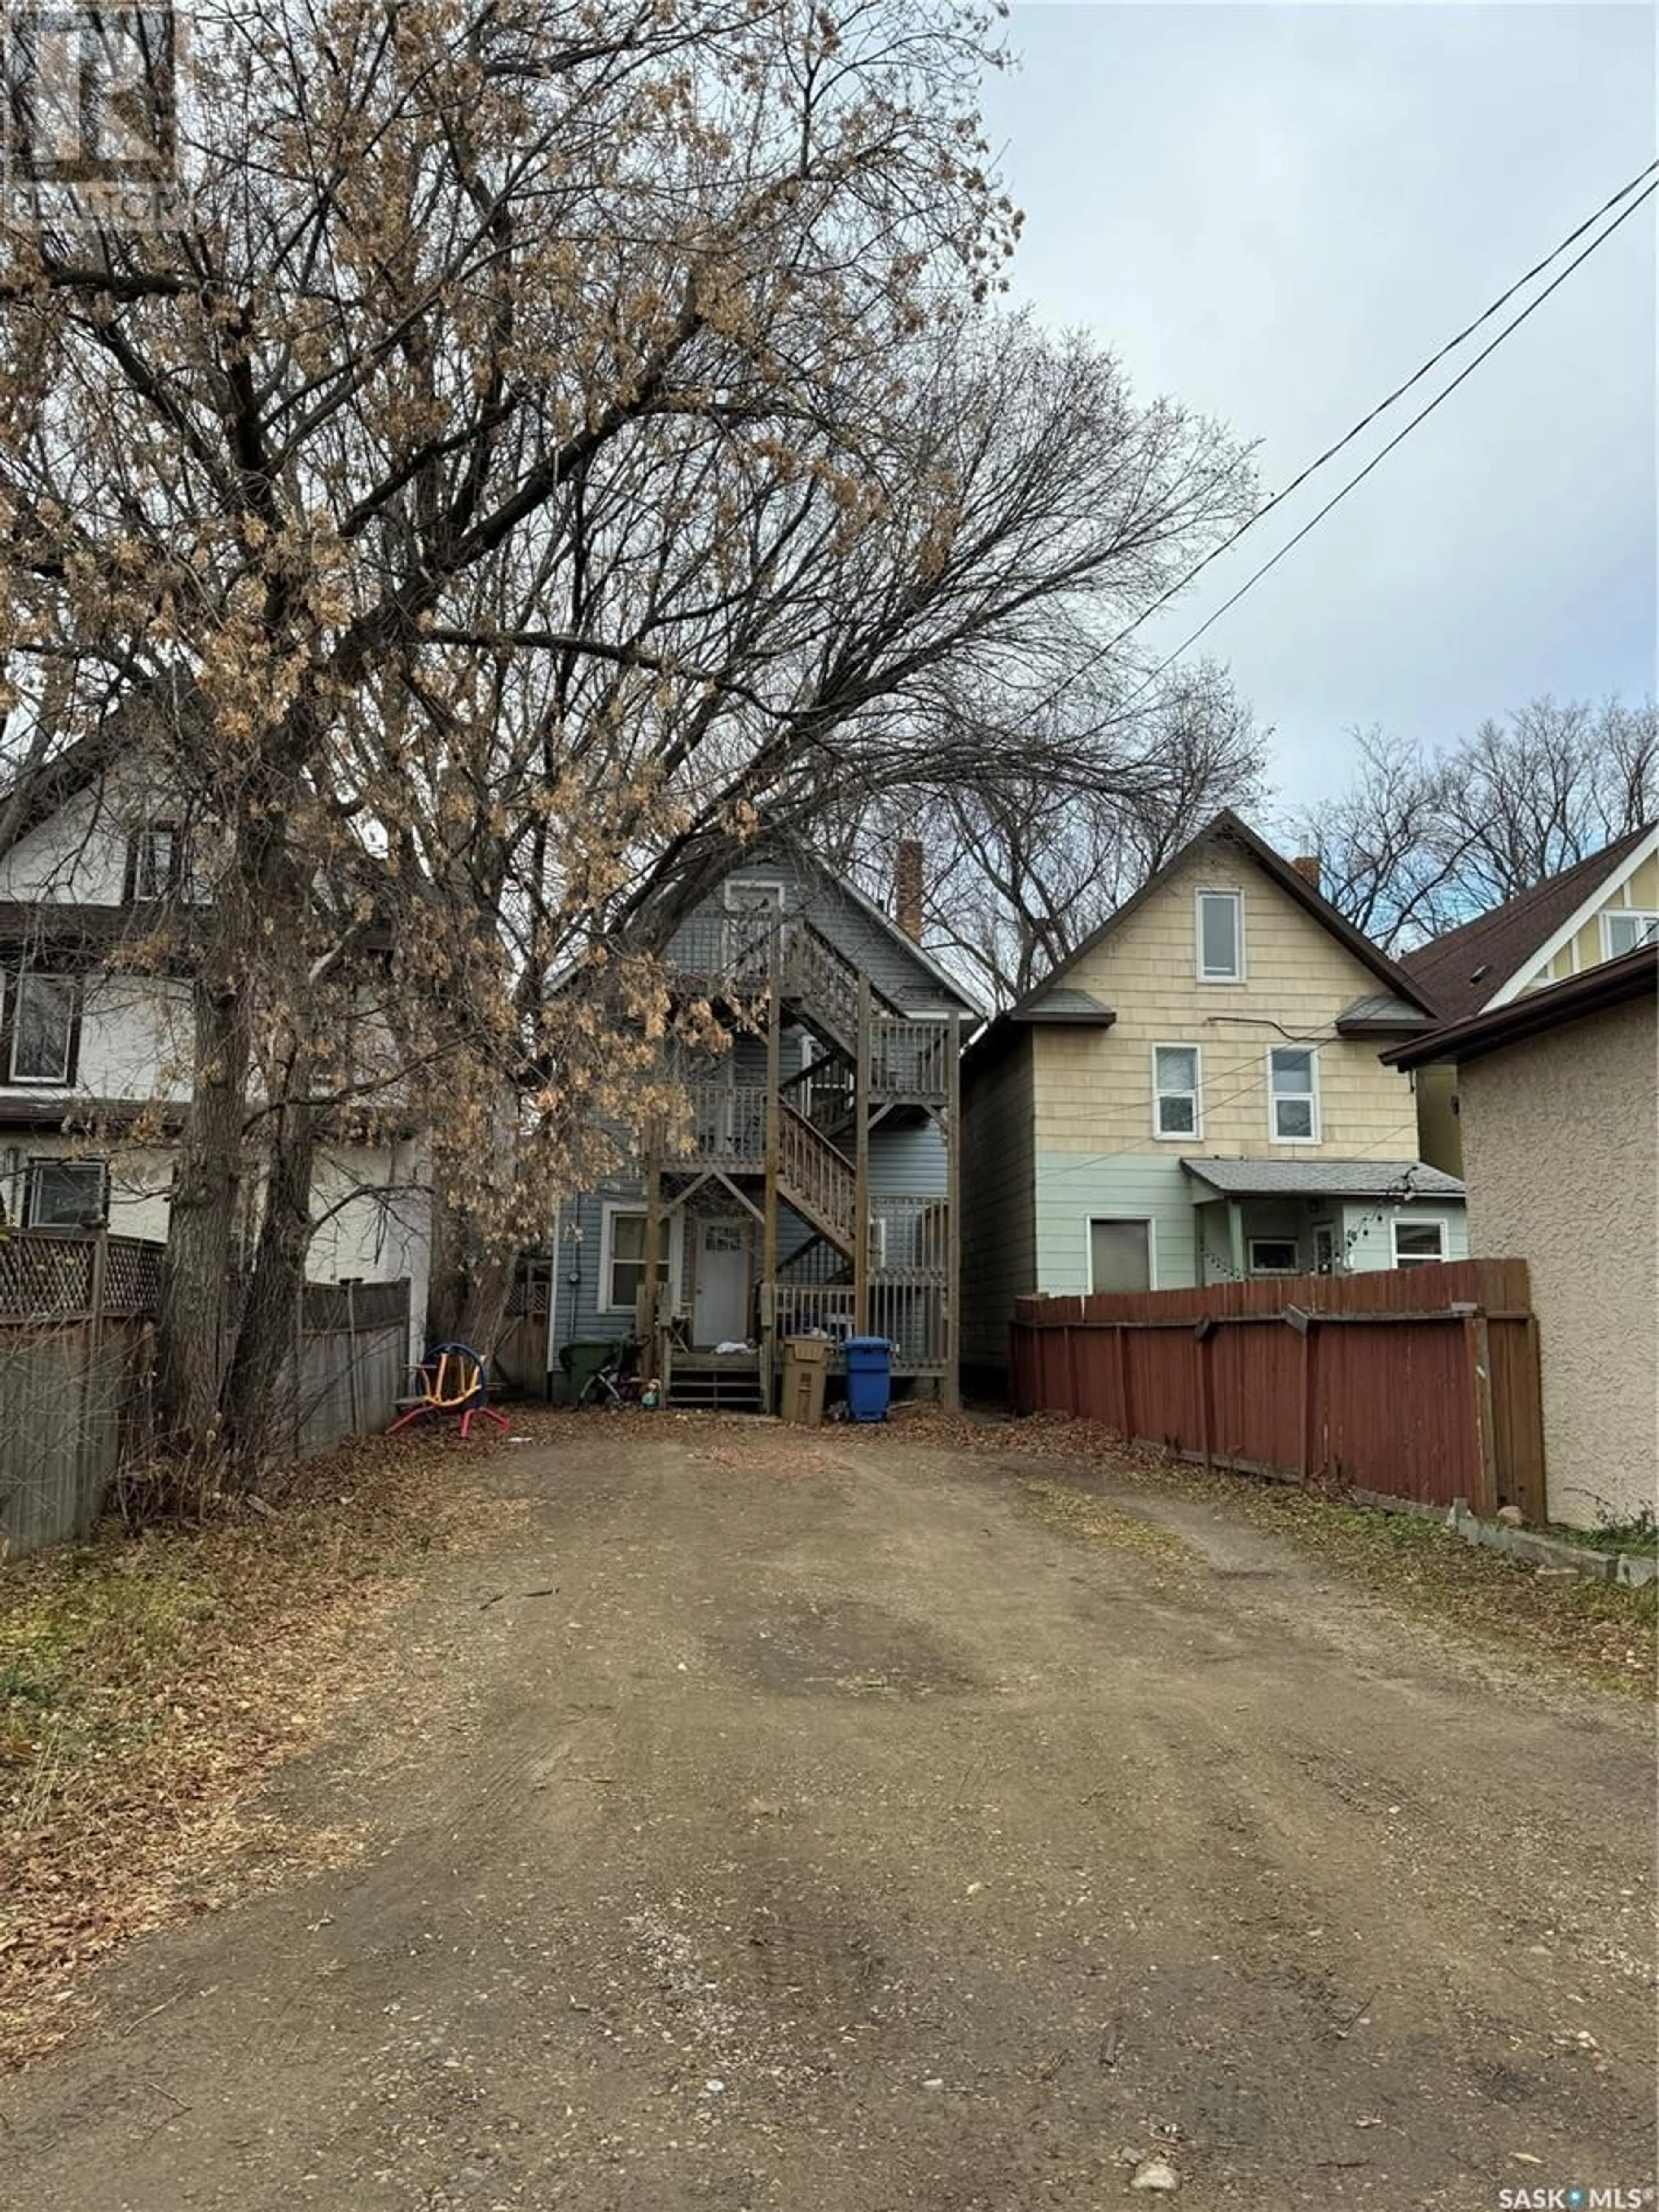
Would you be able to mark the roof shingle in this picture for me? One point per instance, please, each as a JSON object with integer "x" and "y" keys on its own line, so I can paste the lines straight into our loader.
{"x": 1460, "y": 971}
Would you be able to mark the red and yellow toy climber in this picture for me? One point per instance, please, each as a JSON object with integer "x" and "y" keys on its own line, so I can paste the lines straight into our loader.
{"x": 452, "y": 1379}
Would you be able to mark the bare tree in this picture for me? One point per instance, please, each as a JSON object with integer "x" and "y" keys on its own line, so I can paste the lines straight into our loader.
{"x": 553, "y": 440}
{"x": 1422, "y": 841}
{"x": 1072, "y": 813}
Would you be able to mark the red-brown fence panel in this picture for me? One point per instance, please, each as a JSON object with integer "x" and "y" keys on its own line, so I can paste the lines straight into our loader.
{"x": 1420, "y": 1382}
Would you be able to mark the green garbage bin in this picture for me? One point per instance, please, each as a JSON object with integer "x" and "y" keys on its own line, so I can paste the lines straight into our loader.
{"x": 581, "y": 1362}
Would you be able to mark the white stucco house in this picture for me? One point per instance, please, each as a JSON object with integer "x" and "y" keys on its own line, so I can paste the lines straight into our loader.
{"x": 96, "y": 1049}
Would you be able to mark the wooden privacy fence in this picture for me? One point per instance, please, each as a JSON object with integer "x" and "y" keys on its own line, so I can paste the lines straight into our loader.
{"x": 1420, "y": 1383}
{"x": 75, "y": 1363}
{"x": 77, "y": 1353}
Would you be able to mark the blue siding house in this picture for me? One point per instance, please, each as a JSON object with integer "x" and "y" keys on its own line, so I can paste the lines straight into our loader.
{"x": 811, "y": 1185}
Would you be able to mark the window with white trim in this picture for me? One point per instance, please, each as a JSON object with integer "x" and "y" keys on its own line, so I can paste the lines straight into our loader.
{"x": 1120, "y": 1254}
{"x": 1220, "y": 937}
{"x": 1417, "y": 1244}
{"x": 1625, "y": 929}
{"x": 68, "y": 1194}
{"x": 1293, "y": 1094}
{"x": 1176, "y": 1093}
{"x": 155, "y": 860}
{"x": 622, "y": 1270}
{"x": 1275, "y": 1255}
{"x": 44, "y": 1023}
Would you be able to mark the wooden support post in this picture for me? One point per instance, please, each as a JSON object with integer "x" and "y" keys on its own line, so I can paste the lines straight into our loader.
{"x": 1236, "y": 1239}
{"x": 1201, "y": 1336}
{"x": 651, "y": 1309}
{"x": 92, "y": 1382}
{"x": 770, "y": 1360}
{"x": 1478, "y": 1337}
{"x": 861, "y": 1165}
{"x": 1125, "y": 1399}
{"x": 952, "y": 1391}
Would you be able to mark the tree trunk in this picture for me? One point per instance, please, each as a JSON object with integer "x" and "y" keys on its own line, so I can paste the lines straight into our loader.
{"x": 267, "y": 1340}
{"x": 469, "y": 1286}
{"x": 199, "y": 1300}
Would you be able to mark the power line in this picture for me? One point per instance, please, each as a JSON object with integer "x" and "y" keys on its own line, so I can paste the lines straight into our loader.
{"x": 1377, "y": 459}
{"x": 1382, "y": 407}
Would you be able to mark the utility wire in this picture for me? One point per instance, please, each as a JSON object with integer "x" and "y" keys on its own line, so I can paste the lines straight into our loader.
{"x": 1377, "y": 459}
{"x": 1382, "y": 407}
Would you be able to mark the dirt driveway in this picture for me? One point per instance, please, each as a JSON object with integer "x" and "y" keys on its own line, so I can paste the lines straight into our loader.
{"x": 830, "y": 1824}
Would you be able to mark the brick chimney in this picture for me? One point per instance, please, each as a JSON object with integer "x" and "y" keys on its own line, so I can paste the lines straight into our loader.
{"x": 907, "y": 887}
{"x": 1307, "y": 867}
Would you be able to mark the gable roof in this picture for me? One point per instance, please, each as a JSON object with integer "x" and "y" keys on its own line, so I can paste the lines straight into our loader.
{"x": 1400, "y": 993}
{"x": 1609, "y": 983}
{"x": 903, "y": 940}
{"x": 1465, "y": 968}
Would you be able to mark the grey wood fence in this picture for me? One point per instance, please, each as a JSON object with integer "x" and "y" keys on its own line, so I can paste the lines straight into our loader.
{"x": 77, "y": 1353}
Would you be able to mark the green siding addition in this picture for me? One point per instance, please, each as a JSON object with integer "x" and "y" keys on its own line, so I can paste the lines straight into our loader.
{"x": 1072, "y": 1189}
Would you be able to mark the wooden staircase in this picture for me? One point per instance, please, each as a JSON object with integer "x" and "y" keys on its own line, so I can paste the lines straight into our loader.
{"x": 817, "y": 1179}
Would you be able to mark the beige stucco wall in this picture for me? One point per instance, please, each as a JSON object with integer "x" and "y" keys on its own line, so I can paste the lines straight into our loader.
{"x": 1094, "y": 1087}
{"x": 1560, "y": 1144}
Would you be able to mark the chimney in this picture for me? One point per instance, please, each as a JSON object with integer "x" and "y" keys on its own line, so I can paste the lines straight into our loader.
{"x": 1307, "y": 867}
{"x": 907, "y": 887}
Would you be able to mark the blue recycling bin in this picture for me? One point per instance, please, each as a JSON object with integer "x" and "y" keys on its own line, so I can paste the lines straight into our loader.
{"x": 869, "y": 1377}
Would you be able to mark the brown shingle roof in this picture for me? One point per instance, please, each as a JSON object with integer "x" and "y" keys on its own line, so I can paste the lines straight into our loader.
{"x": 1460, "y": 971}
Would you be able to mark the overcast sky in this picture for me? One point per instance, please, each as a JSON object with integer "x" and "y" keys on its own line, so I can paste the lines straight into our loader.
{"x": 1275, "y": 214}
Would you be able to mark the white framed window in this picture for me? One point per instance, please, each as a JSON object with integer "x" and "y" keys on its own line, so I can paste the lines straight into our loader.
{"x": 1123, "y": 1253}
{"x": 1293, "y": 1094}
{"x": 621, "y": 1256}
{"x": 1275, "y": 1255}
{"x": 1626, "y": 927}
{"x": 68, "y": 1194}
{"x": 754, "y": 908}
{"x": 156, "y": 857}
{"x": 1221, "y": 927}
{"x": 1177, "y": 1091}
{"x": 1416, "y": 1243}
{"x": 44, "y": 1025}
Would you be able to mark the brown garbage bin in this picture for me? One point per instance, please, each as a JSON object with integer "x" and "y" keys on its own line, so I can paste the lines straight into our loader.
{"x": 806, "y": 1369}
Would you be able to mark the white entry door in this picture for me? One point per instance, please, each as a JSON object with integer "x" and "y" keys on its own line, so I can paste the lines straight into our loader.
{"x": 719, "y": 1309}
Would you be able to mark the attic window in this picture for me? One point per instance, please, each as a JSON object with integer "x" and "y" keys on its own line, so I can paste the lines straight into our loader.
{"x": 155, "y": 862}
{"x": 1220, "y": 937}
{"x": 1626, "y": 929}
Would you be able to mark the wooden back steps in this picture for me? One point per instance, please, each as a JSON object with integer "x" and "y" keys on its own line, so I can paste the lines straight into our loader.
{"x": 716, "y": 1382}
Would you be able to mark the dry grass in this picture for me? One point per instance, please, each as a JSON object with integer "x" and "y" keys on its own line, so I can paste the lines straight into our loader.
{"x": 147, "y": 1685}
{"x": 1594, "y": 1631}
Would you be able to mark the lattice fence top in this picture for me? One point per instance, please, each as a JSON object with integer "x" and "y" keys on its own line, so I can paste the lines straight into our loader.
{"x": 51, "y": 1275}
{"x": 132, "y": 1275}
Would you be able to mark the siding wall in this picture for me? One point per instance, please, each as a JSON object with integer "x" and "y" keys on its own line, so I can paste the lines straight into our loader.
{"x": 998, "y": 1210}
{"x": 1368, "y": 1228}
{"x": 1073, "y": 1189}
{"x": 1094, "y": 1087}
{"x": 1581, "y": 1214}
{"x": 1097, "y": 1156}
{"x": 1586, "y": 950}
{"x": 883, "y": 956}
